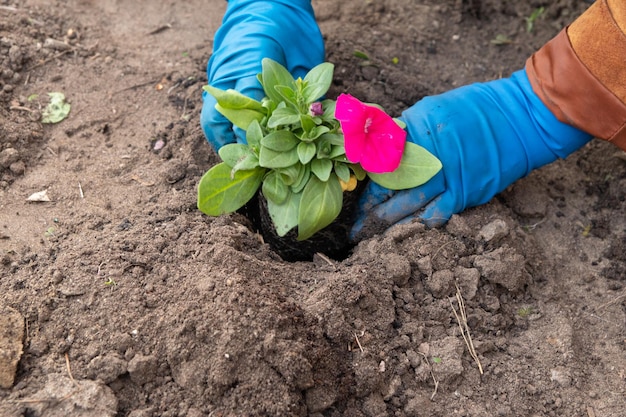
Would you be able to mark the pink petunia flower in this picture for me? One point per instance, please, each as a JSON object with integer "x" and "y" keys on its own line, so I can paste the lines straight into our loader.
{"x": 371, "y": 137}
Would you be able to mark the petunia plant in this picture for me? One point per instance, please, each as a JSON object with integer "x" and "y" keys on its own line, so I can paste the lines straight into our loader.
{"x": 304, "y": 152}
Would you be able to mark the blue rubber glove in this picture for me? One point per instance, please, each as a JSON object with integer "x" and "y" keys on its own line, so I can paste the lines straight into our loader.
{"x": 487, "y": 136}
{"x": 283, "y": 30}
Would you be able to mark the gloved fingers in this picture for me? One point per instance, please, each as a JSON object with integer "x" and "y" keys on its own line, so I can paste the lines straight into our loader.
{"x": 248, "y": 86}
{"x": 217, "y": 129}
{"x": 406, "y": 202}
{"x": 372, "y": 195}
{"x": 439, "y": 210}
{"x": 380, "y": 208}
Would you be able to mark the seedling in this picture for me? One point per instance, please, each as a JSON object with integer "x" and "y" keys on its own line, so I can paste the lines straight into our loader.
{"x": 530, "y": 20}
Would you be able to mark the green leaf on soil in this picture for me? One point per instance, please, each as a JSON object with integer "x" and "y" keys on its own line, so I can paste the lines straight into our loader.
{"x": 57, "y": 110}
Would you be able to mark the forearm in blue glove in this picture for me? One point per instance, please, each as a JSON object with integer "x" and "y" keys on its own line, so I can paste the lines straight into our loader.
{"x": 283, "y": 30}
{"x": 487, "y": 136}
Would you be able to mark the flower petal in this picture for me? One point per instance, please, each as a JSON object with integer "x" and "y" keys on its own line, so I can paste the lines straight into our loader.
{"x": 351, "y": 114}
{"x": 371, "y": 136}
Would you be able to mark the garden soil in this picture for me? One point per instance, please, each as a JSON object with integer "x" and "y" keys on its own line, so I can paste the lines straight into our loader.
{"x": 119, "y": 298}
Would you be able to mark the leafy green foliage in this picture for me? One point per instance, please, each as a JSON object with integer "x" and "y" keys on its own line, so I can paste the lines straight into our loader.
{"x": 294, "y": 154}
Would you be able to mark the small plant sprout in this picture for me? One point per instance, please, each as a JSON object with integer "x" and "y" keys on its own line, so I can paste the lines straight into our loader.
{"x": 302, "y": 151}
{"x": 530, "y": 20}
{"x": 525, "y": 312}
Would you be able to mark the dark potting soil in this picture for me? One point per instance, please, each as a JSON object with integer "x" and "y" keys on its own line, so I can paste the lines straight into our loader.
{"x": 332, "y": 241}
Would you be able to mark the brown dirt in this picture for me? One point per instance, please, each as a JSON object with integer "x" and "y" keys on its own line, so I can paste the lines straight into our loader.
{"x": 138, "y": 305}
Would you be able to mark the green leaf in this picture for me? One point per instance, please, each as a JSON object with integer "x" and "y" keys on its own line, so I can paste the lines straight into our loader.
{"x": 317, "y": 131}
{"x": 306, "y": 152}
{"x": 416, "y": 167}
{"x": 302, "y": 179}
{"x": 291, "y": 174}
{"x": 254, "y": 134}
{"x": 218, "y": 193}
{"x": 239, "y": 157}
{"x": 283, "y": 116}
{"x": 269, "y": 158}
{"x": 308, "y": 124}
{"x": 333, "y": 138}
{"x": 233, "y": 99}
{"x": 317, "y": 81}
{"x": 280, "y": 141}
{"x": 359, "y": 172}
{"x": 324, "y": 147}
{"x": 240, "y": 117}
{"x": 361, "y": 55}
{"x": 287, "y": 94}
{"x": 338, "y": 153}
{"x": 342, "y": 171}
{"x": 329, "y": 107}
{"x": 57, "y": 110}
{"x": 274, "y": 74}
{"x": 268, "y": 104}
{"x": 239, "y": 109}
{"x": 400, "y": 123}
{"x": 323, "y": 205}
{"x": 322, "y": 168}
{"x": 274, "y": 188}
{"x": 232, "y": 153}
{"x": 501, "y": 39}
{"x": 285, "y": 215}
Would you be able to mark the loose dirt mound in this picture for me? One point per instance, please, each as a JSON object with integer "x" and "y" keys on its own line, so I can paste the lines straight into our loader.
{"x": 137, "y": 305}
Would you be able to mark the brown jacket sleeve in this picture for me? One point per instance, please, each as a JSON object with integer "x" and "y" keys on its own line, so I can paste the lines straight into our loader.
{"x": 581, "y": 73}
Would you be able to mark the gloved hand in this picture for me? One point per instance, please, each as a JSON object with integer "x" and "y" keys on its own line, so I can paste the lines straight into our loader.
{"x": 283, "y": 30}
{"x": 487, "y": 136}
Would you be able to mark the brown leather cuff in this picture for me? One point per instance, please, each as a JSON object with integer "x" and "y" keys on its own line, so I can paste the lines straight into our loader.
{"x": 573, "y": 94}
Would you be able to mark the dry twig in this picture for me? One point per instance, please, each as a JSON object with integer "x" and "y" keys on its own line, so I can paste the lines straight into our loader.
{"x": 325, "y": 258}
{"x": 69, "y": 370}
{"x": 52, "y": 58}
{"x": 614, "y": 301}
{"x": 357, "y": 340}
{"x": 461, "y": 318}
{"x": 432, "y": 375}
